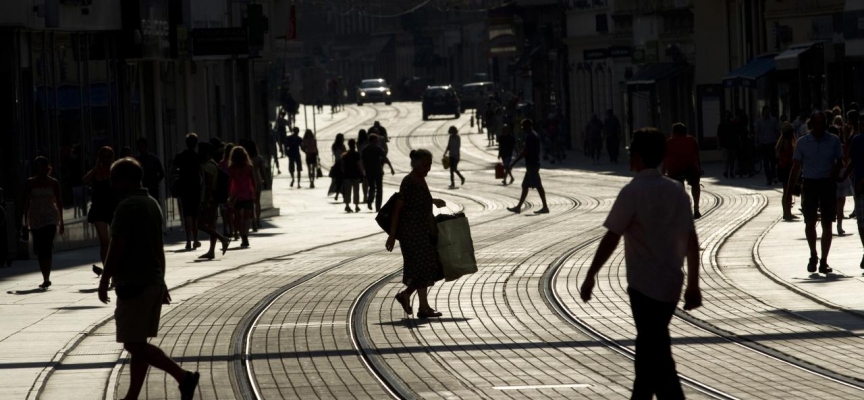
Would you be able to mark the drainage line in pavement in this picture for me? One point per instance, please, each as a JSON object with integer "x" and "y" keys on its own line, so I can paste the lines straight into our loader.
{"x": 547, "y": 287}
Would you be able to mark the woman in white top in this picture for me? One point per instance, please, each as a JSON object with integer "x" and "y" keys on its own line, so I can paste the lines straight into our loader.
{"x": 453, "y": 146}
{"x": 44, "y": 213}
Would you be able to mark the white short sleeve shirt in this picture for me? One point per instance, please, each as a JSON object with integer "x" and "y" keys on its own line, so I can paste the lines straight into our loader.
{"x": 653, "y": 214}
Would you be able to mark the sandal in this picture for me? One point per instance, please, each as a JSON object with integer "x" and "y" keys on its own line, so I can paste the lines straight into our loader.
{"x": 430, "y": 313}
{"x": 405, "y": 303}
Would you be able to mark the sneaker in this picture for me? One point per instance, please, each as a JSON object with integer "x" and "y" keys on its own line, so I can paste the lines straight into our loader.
{"x": 824, "y": 268}
{"x": 197, "y": 244}
{"x": 544, "y": 210}
{"x": 347, "y": 209}
{"x": 312, "y": 186}
{"x": 697, "y": 214}
{"x": 188, "y": 386}
{"x": 244, "y": 243}
{"x": 188, "y": 246}
{"x": 451, "y": 187}
{"x": 516, "y": 210}
{"x": 292, "y": 183}
{"x": 841, "y": 232}
{"x": 811, "y": 266}
{"x": 45, "y": 285}
{"x": 369, "y": 205}
{"x": 357, "y": 208}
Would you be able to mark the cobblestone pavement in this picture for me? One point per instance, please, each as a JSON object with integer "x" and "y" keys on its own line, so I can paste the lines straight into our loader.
{"x": 309, "y": 312}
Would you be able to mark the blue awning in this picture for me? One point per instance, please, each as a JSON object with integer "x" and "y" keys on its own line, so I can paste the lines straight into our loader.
{"x": 651, "y": 73}
{"x": 747, "y": 74}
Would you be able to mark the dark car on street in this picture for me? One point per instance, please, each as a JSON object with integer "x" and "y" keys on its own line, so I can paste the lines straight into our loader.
{"x": 441, "y": 100}
{"x": 374, "y": 90}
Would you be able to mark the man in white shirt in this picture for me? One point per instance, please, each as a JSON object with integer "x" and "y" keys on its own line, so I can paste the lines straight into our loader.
{"x": 818, "y": 158}
{"x": 653, "y": 214}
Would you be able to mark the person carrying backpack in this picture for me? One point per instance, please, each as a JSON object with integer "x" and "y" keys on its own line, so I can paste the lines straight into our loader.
{"x": 209, "y": 202}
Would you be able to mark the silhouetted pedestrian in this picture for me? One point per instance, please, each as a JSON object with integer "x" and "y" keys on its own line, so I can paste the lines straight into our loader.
{"x": 187, "y": 188}
{"x": 337, "y": 150}
{"x": 683, "y": 163}
{"x": 310, "y": 147}
{"x": 729, "y": 143}
{"x": 295, "y": 161}
{"x": 820, "y": 156}
{"x": 612, "y": 130}
{"x": 454, "y": 146}
{"x": 242, "y": 191}
{"x": 785, "y": 152}
{"x": 102, "y": 198}
{"x": 594, "y": 132}
{"x": 43, "y": 211}
{"x": 414, "y": 226}
{"x": 506, "y": 146}
{"x": 652, "y": 213}
{"x": 374, "y": 160}
{"x": 136, "y": 262}
{"x": 767, "y": 130}
{"x": 531, "y": 154}
{"x": 352, "y": 176}
{"x": 226, "y": 208}
{"x": 207, "y": 218}
{"x": 259, "y": 171}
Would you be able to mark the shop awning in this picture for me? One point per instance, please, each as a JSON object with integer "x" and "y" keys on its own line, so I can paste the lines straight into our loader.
{"x": 651, "y": 73}
{"x": 791, "y": 58}
{"x": 746, "y": 75}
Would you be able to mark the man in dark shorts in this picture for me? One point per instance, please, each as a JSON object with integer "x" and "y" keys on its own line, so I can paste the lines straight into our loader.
{"x": 818, "y": 157}
{"x": 683, "y": 164}
{"x": 136, "y": 262}
{"x": 187, "y": 166}
{"x": 374, "y": 159}
{"x": 295, "y": 162}
{"x": 531, "y": 154}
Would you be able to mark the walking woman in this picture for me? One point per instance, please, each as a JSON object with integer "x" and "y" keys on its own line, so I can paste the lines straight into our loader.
{"x": 453, "y": 146}
{"x": 310, "y": 147}
{"x": 259, "y": 171}
{"x": 785, "y": 151}
{"x": 352, "y": 176}
{"x": 337, "y": 149}
{"x": 227, "y": 209}
{"x": 844, "y": 186}
{"x": 414, "y": 226}
{"x": 241, "y": 192}
{"x": 44, "y": 213}
{"x": 102, "y": 201}
{"x": 362, "y": 143}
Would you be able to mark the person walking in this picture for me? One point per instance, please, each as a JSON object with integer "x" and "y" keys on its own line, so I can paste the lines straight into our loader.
{"x": 374, "y": 159}
{"x": 292, "y": 146}
{"x": 612, "y": 130}
{"x": 310, "y": 147}
{"x": 362, "y": 142}
{"x": 136, "y": 263}
{"x": 506, "y": 146}
{"x": 729, "y": 143}
{"x": 652, "y": 213}
{"x": 153, "y": 171}
{"x": 531, "y": 154}
{"x": 337, "y": 149}
{"x": 454, "y": 145}
{"x": 414, "y": 226}
{"x": 226, "y": 208}
{"x": 490, "y": 121}
{"x": 856, "y": 170}
{"x": 187, "y": 188}
{"x": 241, "y": 192}
{"x": 43, "y": 210}
{"x": 102, "y": 200}
{"x": 595, "y": 137}
{"x": 819, "y": 156}
{"x": 767, "y": 131}
{"x": 785, "y": 151}
{"x": 682, "y": 162}
{"x": 207, "y": 219}
{"x": 352, "y": 176}
{"x": 259, "y": 171}
{"x": 273, "y": 148}
{"x": 379, "y": 130}
{"x": 844, "y": 184}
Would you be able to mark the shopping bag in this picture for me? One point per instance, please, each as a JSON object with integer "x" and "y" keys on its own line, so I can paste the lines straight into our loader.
{"x": 446, "y": 162}
{"x": 385, "y": 214}
{"x": 500, "y": 173}
{"x": 455, "y": 246}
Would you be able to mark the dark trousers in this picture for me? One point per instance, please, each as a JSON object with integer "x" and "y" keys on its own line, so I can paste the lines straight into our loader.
{"x": 375, "y": 190}
{"x": 731, "y": 157}
{"x": 612, "y": 146}
{"x": 769, "y": 161}
{"x": 655, "y": 368}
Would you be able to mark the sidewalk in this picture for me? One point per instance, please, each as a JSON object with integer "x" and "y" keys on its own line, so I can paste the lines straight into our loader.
{"x": 40, "y": 326}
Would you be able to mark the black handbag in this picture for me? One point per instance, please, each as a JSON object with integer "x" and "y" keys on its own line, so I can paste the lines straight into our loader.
{"x": 320, "y": 173}
{"x": 385, "y": 214}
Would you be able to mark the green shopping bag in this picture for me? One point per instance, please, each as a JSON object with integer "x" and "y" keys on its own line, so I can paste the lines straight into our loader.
{"x": 455, "y": 246}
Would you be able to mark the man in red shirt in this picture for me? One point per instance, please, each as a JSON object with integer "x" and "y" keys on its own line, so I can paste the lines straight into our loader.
{"x": 682, "y": 162}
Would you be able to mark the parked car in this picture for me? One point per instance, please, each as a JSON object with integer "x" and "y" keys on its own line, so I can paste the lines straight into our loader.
{"x": 441, "y": 100}
{"x": 475, "y": 94}
{"x": 374, "y": 90}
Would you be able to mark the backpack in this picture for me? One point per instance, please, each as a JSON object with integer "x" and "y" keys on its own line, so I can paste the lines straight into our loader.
{"x": 223, "y": 181}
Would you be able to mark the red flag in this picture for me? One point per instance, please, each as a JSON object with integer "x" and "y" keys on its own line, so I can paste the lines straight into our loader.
{"x": 292, "y": 24}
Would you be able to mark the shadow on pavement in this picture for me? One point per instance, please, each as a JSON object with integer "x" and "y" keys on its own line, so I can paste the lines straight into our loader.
{"x": 416, "y": 322}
